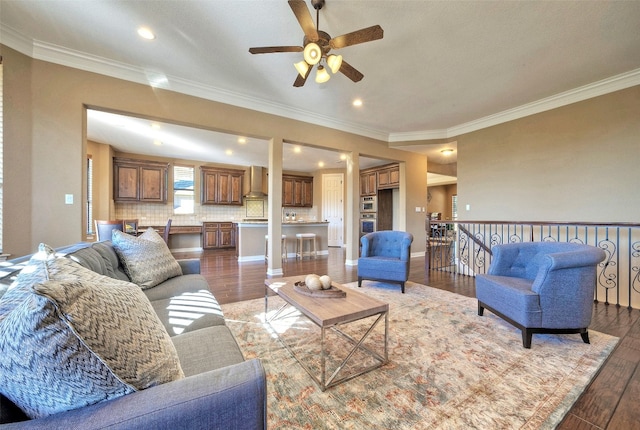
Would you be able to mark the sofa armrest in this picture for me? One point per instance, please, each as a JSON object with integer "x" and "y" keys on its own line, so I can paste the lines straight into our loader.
{"x": 230, "y": 397}
{"x": 190, "y": 266}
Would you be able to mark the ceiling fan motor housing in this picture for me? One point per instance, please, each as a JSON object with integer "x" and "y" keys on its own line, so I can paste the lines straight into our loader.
{"x": 317, "y": 4}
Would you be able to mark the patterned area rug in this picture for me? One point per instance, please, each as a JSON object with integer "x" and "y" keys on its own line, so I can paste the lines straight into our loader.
{"x": 448, "y": 368}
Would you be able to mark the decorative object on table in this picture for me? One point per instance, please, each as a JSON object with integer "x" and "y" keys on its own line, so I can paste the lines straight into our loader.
{"x": 319, "y": 286}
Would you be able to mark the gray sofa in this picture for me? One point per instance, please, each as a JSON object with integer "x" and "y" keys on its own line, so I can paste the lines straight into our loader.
{"x": 220, "y": 389}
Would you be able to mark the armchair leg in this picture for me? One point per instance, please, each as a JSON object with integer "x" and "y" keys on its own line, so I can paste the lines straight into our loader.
{"x": 480, "y": 309}
{"x": 527, "y": 334}
{"x": 585, "y": 336}
{"x": 359, "y": 281}
{"x": 402, "y": 287}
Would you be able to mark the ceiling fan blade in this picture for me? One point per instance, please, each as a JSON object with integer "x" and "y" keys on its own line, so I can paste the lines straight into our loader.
{"x": 351, "y": 73}
{"x": 360, "y": 36}
{"x": 300, "y": 80}
{"x": 301, "y": 11}
{"x": 270, "y": 49}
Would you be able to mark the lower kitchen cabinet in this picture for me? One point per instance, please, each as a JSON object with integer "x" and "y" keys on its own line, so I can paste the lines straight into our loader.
{"x": 217, "y": 235}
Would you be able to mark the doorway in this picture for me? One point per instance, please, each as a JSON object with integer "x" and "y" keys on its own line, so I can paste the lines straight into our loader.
{"x": 332, "y": 207}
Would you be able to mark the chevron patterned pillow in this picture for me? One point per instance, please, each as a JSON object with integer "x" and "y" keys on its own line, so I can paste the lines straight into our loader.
{"x": 74, "y": 343}
{"x": 33, "y": 272}
{"x": 146, "y": 259}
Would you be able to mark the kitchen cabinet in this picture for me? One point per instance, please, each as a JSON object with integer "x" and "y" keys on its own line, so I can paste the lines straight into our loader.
{"x": 297, "y": 191}
{"x": 389, "y": 177}
{"x": 139, "y": 181}
{"x": 218, "y": 235}
{"x": 221, "y": 186}
{"x": 379, "y": 178}
{"x": 368, "y": 183}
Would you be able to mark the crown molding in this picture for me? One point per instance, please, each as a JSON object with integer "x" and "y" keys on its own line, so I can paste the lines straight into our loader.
{"x": 11, "y": 38}
{"x": 605, "y": 86}
{"x": 78, "y": 60}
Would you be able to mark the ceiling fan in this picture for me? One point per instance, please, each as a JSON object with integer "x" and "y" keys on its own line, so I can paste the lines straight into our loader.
{"x": 317, "y": 45}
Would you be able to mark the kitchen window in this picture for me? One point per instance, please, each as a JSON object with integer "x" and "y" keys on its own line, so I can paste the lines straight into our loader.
{"x": 183, "y": 194}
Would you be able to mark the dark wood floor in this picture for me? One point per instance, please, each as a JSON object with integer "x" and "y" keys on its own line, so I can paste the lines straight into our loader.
{"x": 610, "y": 402}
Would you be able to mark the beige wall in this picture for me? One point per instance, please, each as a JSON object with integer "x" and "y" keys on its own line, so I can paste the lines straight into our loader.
{"x": 441, "y": 196}
{"x": 45, "y": 144}
{"x": 575, "y": 163}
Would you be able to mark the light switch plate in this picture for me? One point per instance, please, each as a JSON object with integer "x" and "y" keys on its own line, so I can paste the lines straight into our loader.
{"x": 68, "y": 199}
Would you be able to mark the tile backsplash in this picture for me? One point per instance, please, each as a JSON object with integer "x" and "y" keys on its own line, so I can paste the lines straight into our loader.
{"x": 157, "y": 215}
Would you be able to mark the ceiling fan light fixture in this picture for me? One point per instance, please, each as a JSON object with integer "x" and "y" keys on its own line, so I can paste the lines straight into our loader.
{"x": 322, "y": 75}
{"x": 302, "y": 67}
{"x": 334, "y": 62}
{"x": 312, "y": 53}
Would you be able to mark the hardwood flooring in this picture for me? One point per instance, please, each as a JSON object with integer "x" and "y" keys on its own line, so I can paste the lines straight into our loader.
{"x": 611, "y": 400}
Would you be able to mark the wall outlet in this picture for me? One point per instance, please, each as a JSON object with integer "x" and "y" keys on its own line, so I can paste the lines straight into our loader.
{"x": 468, "y": 207}
{"x": 68, "y": 199}
{"x": 417, "y": 208}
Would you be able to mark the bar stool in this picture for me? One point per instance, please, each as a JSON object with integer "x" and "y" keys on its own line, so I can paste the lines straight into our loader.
{"x": 303, "y": 238}
{"x": 285, "y": 256}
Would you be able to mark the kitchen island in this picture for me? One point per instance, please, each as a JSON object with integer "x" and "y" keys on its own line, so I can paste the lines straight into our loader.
{"x": 250, "y": 240}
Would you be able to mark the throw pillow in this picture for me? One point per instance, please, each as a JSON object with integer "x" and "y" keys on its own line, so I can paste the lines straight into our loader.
{"x": 32, "y": 273}
{"x": 146, "y": 260}
{"x": 70, "y": 344}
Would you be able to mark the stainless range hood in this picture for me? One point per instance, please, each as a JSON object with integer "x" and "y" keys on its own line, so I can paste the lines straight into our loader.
{"x": 255, "y": 192}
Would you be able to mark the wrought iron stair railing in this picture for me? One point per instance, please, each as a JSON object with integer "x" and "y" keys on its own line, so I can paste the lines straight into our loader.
{"x": 464, "y": 247}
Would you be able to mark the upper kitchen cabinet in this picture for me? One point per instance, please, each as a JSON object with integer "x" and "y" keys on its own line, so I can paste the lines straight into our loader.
{"x": 139, "y": 181}
{"x": 368, "y": 183}
{"x": 297, "y": 191}
{"x": 221, "y": 186}
{"x": 389, "y": 177}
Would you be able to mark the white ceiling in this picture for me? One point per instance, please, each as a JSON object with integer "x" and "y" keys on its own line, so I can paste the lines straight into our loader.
{"x": 442, "y": 69}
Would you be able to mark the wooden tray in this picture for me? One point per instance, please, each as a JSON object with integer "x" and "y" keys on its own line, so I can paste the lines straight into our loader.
{"x": 332, "y": 293}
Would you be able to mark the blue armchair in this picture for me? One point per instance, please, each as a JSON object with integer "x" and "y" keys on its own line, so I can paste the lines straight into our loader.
{"x": 385, "y": 256}
{"x": 541, "y": 287}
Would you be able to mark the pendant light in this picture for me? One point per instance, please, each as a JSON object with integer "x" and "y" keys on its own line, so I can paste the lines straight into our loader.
{"x": 334, "y": 62}
{"x": 322, "y": 75}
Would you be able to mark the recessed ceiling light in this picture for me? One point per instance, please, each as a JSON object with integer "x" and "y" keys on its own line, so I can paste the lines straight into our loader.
{"x": 357, "y": 102}
{"x": 321, "y": 164}
{"x": 155, "y": 125}
{"x": 447, "y": 151}
{"x": 157, "y": 142}
{"x": 242, "y": 140}
{"x": 343, "y": 156}
{"x": 228, "y": 152}
{"x": 145, "y": 33}
{"x": 297, "y": 149}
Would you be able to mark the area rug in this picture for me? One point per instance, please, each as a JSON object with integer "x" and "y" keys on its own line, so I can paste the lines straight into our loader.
{"x": 448, "y": 367}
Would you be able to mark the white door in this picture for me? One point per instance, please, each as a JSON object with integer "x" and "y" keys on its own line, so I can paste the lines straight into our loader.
{"x": 332, "y": 206}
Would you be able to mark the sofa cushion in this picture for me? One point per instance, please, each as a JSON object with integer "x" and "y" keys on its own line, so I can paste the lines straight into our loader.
{"x": 73, "y": 361}
{"x": 188, "y": 311}
{"x": 146, "y": 259}
{"x": 207, "y": 349}
{"x": 112, "y": 262}
{"x": 90, "y": 259}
